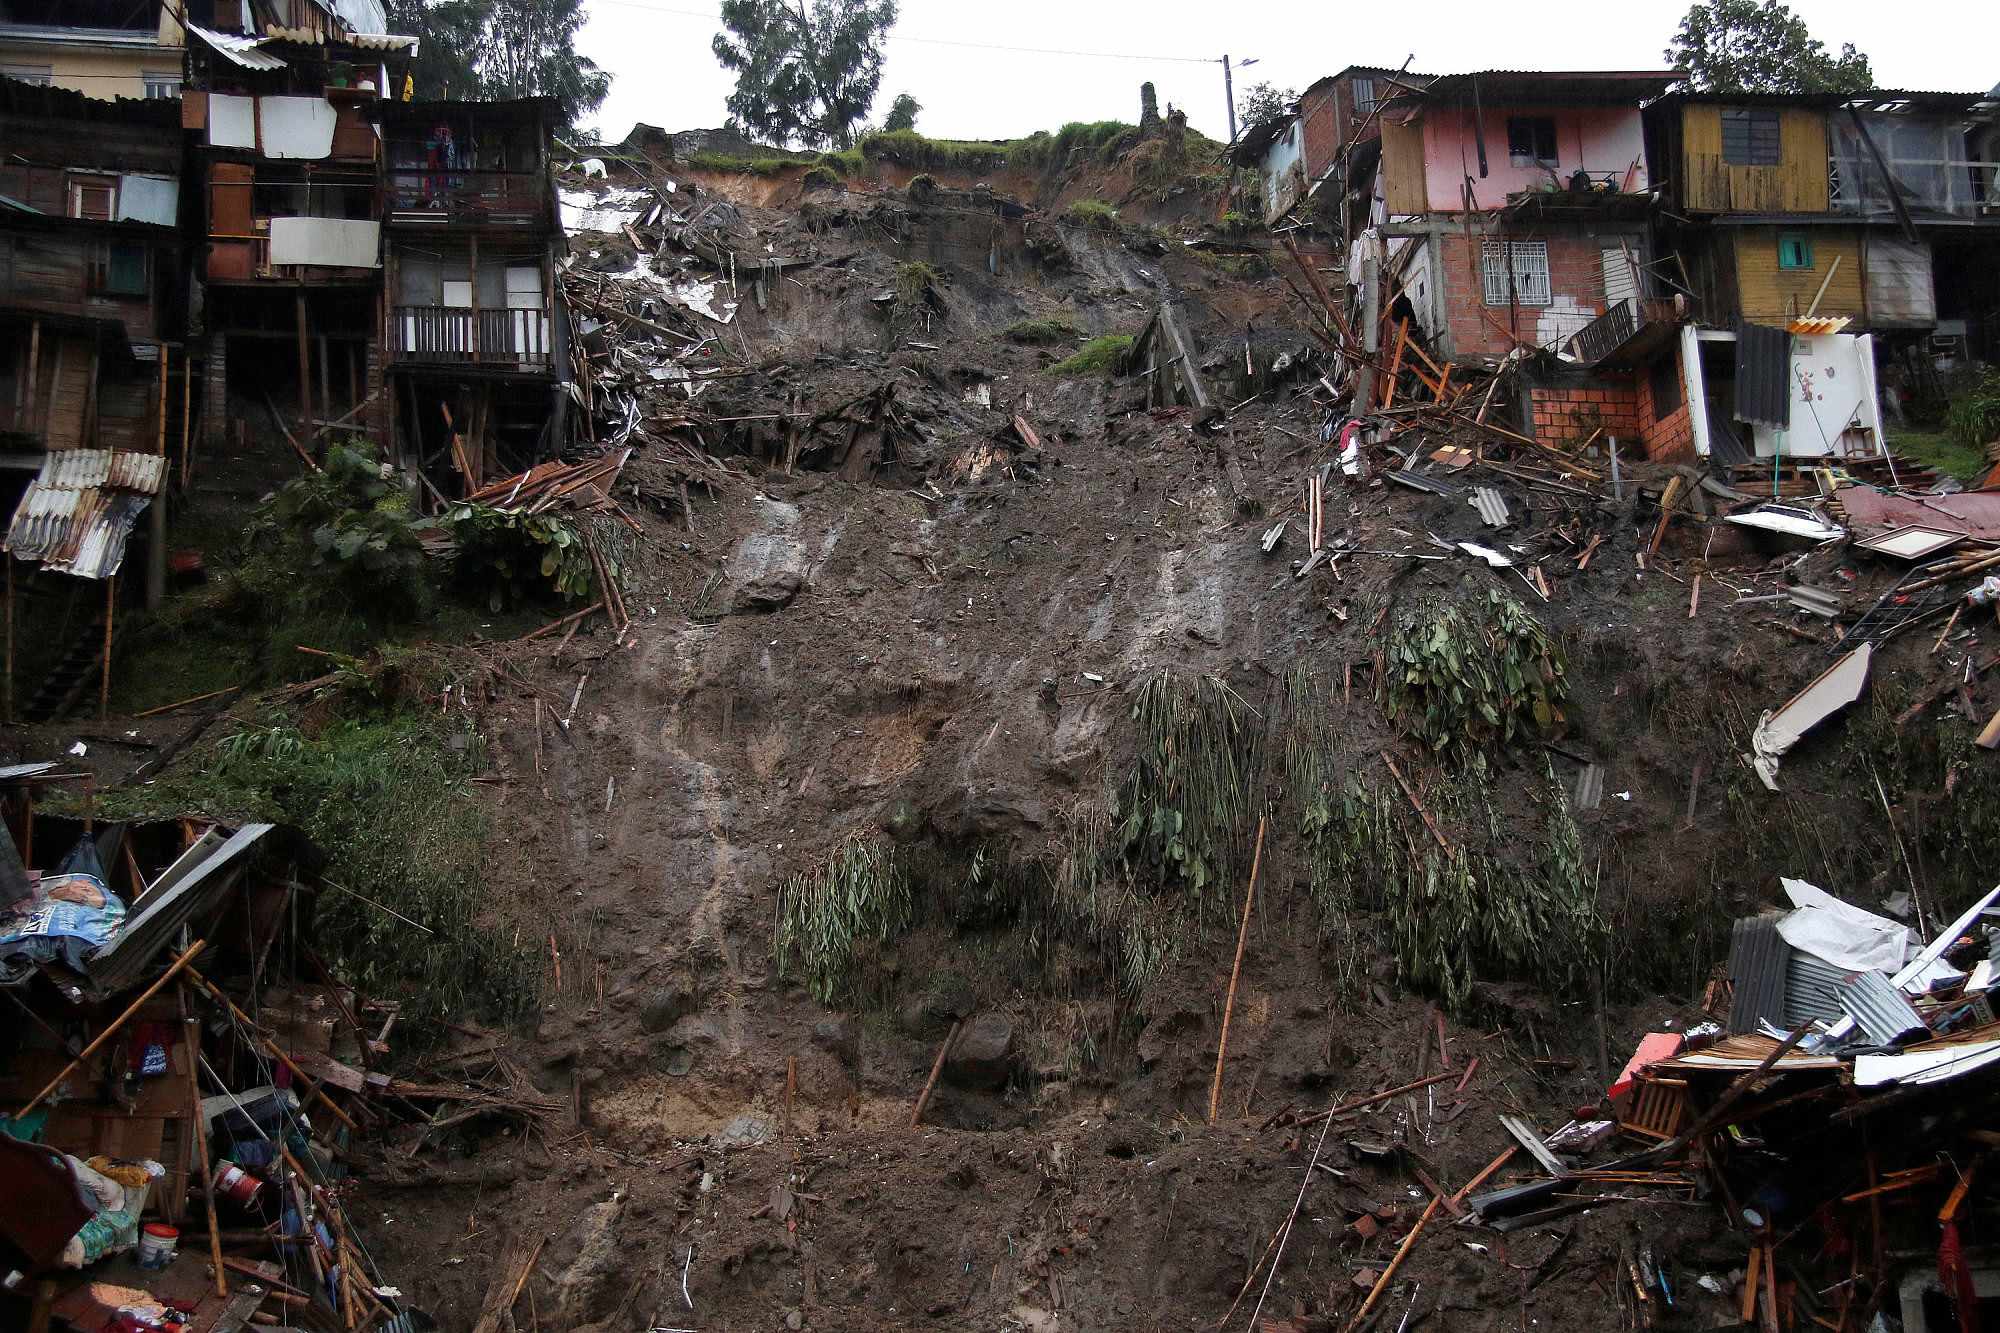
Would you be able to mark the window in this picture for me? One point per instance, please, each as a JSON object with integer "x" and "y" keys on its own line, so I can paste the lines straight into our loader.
{"x": 41, "y": 74}
{"x": 1749, "y": 138}
{"x": 118, "y": 270}
{"x": 1794, "y": 250}
{"x": 1364, "y": 96}
{"x": 1516, "y": 272}
{"x": 162, "y": 84}
{"x": 1665, "y": 383}
{"x": 1531, "y": 141}
{"x": 93, "y": 197}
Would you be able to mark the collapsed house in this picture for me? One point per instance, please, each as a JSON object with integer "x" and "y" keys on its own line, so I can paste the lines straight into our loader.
{"x": 179, "y": 1077}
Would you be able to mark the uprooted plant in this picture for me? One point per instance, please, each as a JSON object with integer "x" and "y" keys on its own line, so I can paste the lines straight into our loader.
{"x": 1466, "y": 676}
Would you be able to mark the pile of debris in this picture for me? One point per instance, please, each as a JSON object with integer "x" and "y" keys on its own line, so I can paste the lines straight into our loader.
{"x": 186, "y": 1088}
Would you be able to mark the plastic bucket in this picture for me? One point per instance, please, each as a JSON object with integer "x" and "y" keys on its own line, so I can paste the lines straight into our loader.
{"x": 157, "y": 1242}
{"x": 237, "y": 1185}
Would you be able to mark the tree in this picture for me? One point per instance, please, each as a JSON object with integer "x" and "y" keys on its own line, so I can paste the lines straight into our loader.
{"x": 1761, "y": 46}
{"x": 1261, "y": 102}
{"x": 903, "y": 113}
{"x": 491, "y": 49}
{"x": 804, "y": 77}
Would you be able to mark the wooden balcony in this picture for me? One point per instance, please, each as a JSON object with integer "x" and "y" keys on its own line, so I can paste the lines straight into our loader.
{"x": 1626, "y": 333}
{"x": 453, "y": 335}
{"x": 419, "y": 196}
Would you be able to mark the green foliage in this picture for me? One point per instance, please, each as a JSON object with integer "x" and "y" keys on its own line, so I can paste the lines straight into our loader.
{"x": 1263, "y": 101}
{"x": 514, "y": 557}
{"x": 1099, "y": 356}
{"x": 1507, "y": 899}
{"x": 805, "y": 76}
{"x": 1076, "y": 142}
{"x": 902, "y": 113}
{"x": 495, "y": 50}
{"x": 857, "y": 896}
{"x": 914, "y": 279}
{"x": 384, "y": 794}
{"x": 1463, "y": 677}
{"x": 1092, "y": 213}
{"x": 1938, "y": 449}
{"x": 821, "y": 178}
{"x": 1973, "y": 416}
{"x": 911, "y": 149}
{"x": 1182, "y": 813}
{"x": 922, "y": 187}
{"x": 1236, "y": 225}
{"x": 1041, "y": 332}
{"x": 338, "y": 542}
{"x": 766, "y": 165}
{"x": 1744, "y": 46}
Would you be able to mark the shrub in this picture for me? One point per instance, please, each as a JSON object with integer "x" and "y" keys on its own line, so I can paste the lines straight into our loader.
{"x": 1973, "y": 418}
{"x": 922, "y": 187}
{"x": 1099, "y": 356}
{"x": 510, "y": 557}
{"x": 1099, "y": 138}
{"x": 821, "y": 177}
{"x": 1092, "y": 213}
{"x": 1041, "y": 332}
{"x": 1467, "y": 676}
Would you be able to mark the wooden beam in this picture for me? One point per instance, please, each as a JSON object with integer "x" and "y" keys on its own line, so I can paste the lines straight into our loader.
{"x": 305, "y": 369}
{"x": 113, "y": 1028}
{"x": 34, "y": 377}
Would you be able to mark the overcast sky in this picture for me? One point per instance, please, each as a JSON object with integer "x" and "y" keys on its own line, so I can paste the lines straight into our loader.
{"x": 941, "y": 51}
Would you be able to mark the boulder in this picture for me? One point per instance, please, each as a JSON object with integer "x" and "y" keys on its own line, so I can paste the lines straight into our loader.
{"x": 983, "y": 1056}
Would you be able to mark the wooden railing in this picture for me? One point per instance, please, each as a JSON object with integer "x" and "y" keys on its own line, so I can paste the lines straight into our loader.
{"x": 456, "y": 334}
{"x": 426, "y": 194}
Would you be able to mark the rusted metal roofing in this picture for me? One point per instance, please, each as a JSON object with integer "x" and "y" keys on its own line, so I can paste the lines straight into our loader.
{"x": 245, "y": 51}
{"x": 1818, "y": 326}
{"x": 77, "y": 514}
{"x": 1745, "y": 1052}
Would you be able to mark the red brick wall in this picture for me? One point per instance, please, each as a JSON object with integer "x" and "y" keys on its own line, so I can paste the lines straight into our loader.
{"x": 1576, "y": 271}
{"x": 1571, "y": 416}
{"x": 1670, "y": 440}
{"x": 1318, "y": 115}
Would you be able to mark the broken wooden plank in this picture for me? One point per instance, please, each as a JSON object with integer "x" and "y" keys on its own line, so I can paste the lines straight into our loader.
{"x": 1525, "y": 1135}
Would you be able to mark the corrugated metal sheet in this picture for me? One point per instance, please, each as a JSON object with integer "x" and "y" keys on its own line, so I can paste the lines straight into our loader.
{"x": 1879, "y": 1008}
{"x": 1764, "y": 375}
{"x": 124, "y": 960}
{"x": 1812, "y": 990}
{"x": 243, "y": 50}
{"x": 78, "y": 513}
{"x": 385, "y": 41}
{"x": 1588, "y": 793}
{"x": 1492, "y": 506}
{"x": 1757, "y": 956}
{"x": 16, "y": 772}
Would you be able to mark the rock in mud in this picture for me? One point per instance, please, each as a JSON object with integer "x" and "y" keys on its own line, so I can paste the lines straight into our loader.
{"x": 840, "y": 1035}
{"x": 674, "y": 1002}
{"x": 984, "y": 1055}
{"x": 586, "y": 1290}
{"x": 769, "y": 566}
{"x": 745, "y": 1130}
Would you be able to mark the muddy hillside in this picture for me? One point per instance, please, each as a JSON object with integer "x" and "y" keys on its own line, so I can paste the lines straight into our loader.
{"x": 1034, "y": 776}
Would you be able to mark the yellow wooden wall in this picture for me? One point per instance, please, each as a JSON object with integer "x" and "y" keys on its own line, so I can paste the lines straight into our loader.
{"x": 1796, "y": 185}
{"x": 1771, "y": 295}
{"x": 1403, "y": 167}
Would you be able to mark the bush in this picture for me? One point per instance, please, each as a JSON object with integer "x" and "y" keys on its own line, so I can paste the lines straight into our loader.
{"x": 1099, "y": 138}
{"x": 1099, "y": 356}
{"x": 1467, "y": 676}
{"x": 915, "y": 150}
{"x": 1973, "y": 418}
{"x": 1041, "y": 332}
{"x": 1092, "y": 213}
{"x": 509, "y": 557}
{"x": 821, "y": 177}
{"x": 922, "y": 187}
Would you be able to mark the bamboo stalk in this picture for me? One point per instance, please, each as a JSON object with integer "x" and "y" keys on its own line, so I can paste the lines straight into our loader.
{"x": 1235, "y": 971}
{"x": 1382, "y": 1282}
{"x": 937, "y": 1067}
{"x": 314, "y": 1091}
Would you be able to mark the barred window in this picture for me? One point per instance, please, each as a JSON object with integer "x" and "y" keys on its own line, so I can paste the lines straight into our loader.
{"x": 1750, "y": 137}
{"x": 1526, "y": 263}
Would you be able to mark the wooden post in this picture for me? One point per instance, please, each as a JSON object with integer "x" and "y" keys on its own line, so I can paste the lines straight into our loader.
{"x": 156, "y": 519}
{"x": 34, "y": 377}
{"x": 472, "y": 271}
{"x": 937, "y": 1067}
{"x": 104, "y": 675}
{"x": 88, "y": 438}
{"x": 325, "y": 385}
{"x": 115, "y": 1025}
{"x": 305, "y": 372}
{"x": 199, "y": 1128}
{"x": 187, "y": 409}
{"x": 313, "y": 1091}
{"x": 1235, "y": 971}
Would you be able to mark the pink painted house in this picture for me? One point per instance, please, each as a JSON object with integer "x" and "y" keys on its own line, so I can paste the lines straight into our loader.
{"x": 1517, "y": 204}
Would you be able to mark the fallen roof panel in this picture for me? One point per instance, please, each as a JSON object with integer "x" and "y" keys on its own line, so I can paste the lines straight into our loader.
{"x": 244, "y": 51}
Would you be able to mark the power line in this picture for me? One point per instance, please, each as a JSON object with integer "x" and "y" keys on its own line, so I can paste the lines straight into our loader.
{"x": 946, "y": 41}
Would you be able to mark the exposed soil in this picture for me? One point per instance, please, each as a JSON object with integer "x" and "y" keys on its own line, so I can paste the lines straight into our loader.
{"x": 946, "y": 647}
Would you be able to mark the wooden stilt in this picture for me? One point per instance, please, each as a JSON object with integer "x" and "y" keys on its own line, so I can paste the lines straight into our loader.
{"x": 187, "y": 410}
{"x": 104, "y": 676}
{"x": 305, "y": 372}
{"x": 937, "y": 1067}
{"x": 34, "y": 377}
{"x": 198, "y": 1127}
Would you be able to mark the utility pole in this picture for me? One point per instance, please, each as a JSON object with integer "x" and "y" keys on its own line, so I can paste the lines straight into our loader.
{"x": 1229, "y": 94}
